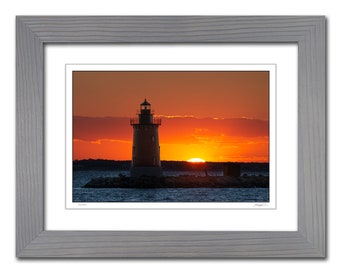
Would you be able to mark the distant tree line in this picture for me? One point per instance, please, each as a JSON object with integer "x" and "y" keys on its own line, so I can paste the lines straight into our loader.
{"x": 124, "y": 165}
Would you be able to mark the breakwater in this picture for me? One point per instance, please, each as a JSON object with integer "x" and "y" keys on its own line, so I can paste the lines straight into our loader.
{"x": 183, "y": 181}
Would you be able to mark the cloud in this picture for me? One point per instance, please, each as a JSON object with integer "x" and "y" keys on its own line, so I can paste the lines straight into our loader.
{"x": 174, "y": 116}
{"x": 100, "y": 141}
{"x": 173, "y": 128}
{"x": 96, "y": 128}
{"x": 180, "y": 138}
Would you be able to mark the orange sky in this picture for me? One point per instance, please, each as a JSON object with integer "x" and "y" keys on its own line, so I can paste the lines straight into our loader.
{"x": 216, "y": 116}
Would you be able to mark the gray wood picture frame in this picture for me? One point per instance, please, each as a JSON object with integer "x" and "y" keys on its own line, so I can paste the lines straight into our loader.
{"x": 32, "y": 33}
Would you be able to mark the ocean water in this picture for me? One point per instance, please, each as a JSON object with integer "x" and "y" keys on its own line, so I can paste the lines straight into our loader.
{"x": 81, "y": 194}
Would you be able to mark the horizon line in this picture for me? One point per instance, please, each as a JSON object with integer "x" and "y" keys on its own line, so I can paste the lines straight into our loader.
{"x": 129, "y": 160}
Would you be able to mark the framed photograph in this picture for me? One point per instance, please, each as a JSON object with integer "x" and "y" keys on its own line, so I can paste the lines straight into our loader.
{"x": 162, "y": 136}
{"x": 207, "y": 141}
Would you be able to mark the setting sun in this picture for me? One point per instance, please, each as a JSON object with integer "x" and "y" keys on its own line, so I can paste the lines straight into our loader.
{"x": 196, "y": 160}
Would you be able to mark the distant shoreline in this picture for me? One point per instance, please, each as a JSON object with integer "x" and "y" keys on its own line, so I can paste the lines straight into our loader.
{"x": 167, "y": 165}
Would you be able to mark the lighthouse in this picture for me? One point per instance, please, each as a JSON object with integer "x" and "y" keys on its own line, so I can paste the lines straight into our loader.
{"x": 145, "y": 149}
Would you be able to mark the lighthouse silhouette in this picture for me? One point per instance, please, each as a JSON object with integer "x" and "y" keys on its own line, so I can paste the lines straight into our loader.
{"x": 145, "y": 149}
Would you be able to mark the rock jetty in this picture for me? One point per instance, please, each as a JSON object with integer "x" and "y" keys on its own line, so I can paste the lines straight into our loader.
{"x": 184, "y": 181}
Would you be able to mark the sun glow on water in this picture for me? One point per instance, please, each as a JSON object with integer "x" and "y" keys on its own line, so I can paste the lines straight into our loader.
{"x": 196, "y": 160}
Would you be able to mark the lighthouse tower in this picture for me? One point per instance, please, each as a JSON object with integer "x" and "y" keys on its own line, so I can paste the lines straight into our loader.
{"x": 145, "y": 148}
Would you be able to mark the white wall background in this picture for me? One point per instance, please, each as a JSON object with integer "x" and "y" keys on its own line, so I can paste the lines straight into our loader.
{"x": 9, "y": 9}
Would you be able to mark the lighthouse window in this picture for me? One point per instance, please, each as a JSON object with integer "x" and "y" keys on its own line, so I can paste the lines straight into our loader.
{"x": 153, "y": 138}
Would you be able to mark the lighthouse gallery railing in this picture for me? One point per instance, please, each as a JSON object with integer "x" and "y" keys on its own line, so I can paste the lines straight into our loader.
{"x": 155, "y": 121}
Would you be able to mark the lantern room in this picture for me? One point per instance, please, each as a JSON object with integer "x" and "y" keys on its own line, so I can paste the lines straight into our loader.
{"x": 145, "y": 107}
